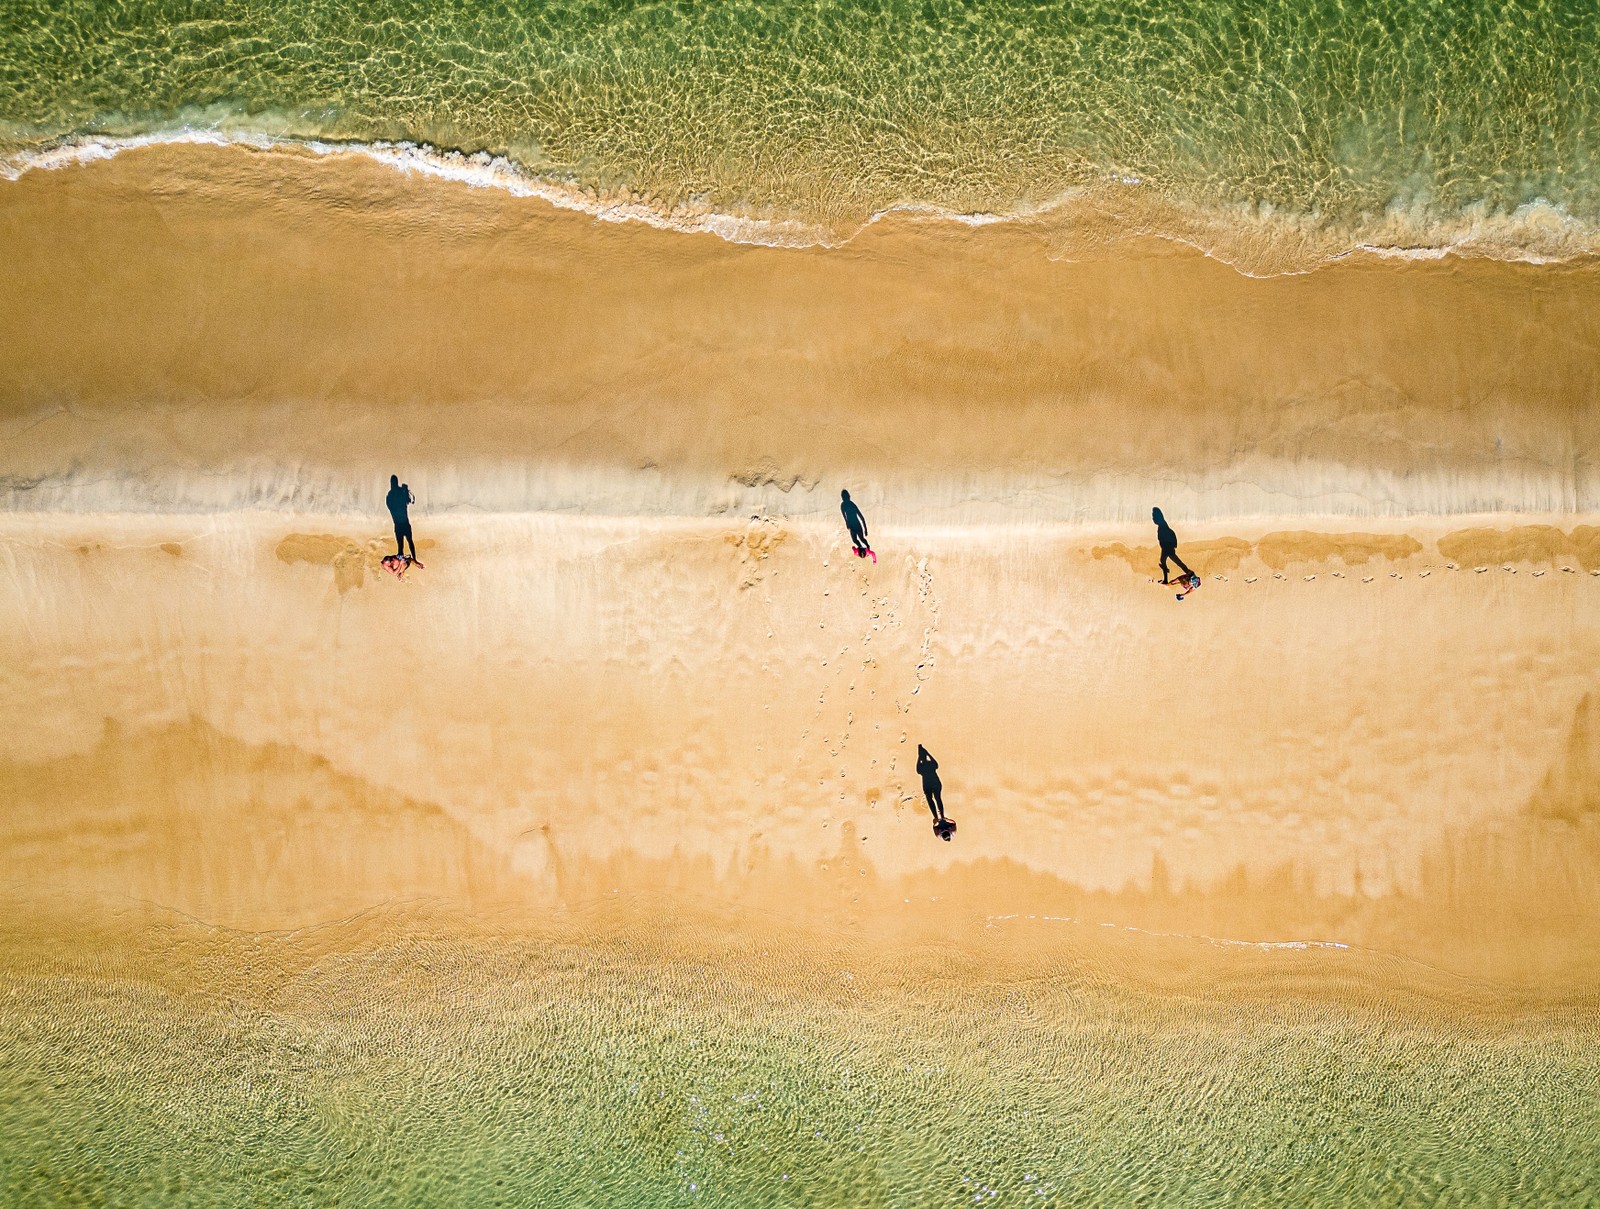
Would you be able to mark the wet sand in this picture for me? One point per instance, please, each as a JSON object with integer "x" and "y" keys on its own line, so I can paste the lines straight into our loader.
{"x": 244, "y": 718}
{"x": 197, "y": 328}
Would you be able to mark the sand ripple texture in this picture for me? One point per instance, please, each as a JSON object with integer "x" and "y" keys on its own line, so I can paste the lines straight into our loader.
{"x": 1296, "y": 131}
{"x": 254, "y": 724}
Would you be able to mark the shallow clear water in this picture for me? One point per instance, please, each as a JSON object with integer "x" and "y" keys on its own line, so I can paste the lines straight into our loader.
{"x": 834, "y": 109}
{"x": 406, "y": 1066}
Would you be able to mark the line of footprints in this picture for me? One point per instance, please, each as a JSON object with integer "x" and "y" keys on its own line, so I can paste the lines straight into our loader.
{"x": 1423, "y": 574}
{"x": 887, "y": 616}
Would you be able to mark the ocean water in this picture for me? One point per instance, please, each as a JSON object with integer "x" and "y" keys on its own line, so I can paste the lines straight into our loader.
{"x": 1344, "y": 121}
{"x": 383, "y": 1062}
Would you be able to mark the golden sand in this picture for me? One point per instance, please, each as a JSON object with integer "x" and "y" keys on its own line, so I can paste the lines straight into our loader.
{"x": 641, "y": 664}
{"x": 199, "y": 328}
{"x": 256, "y": 725}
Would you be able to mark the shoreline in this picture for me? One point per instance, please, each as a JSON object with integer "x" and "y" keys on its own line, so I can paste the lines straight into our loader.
{"x": 203, "y": 328}
{"x": 765, "y": 1071}
{"x": 627, "y": 444}
{"x": 1254, "y": 241}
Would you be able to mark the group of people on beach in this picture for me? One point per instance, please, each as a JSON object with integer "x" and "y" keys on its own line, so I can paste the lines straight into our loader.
{"x": 399, "y": 500}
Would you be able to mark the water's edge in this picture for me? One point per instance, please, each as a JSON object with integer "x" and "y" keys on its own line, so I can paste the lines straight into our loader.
{"x": 1255, "y": 240}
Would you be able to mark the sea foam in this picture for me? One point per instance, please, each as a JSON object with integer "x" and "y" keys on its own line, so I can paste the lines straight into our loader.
{"x": 1257, "y": 240}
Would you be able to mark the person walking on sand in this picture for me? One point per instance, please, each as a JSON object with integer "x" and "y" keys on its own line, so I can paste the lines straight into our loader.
{"x": 398, "y": 500}
{"x": 1169, "y": 545}
{"x": 857, "y": 524}
{"x": 933, "y": 790}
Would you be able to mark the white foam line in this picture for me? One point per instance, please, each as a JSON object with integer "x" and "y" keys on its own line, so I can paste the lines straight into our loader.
{"x": 488, "y": 171}
{"x": 479, "y": 170}
{"x": 88, "y": 150}
{"x": 483, "y": 170}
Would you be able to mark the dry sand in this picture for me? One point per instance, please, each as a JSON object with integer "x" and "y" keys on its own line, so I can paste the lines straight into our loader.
{"x": 642, "y": 677}
{"x": 245, "y": 719}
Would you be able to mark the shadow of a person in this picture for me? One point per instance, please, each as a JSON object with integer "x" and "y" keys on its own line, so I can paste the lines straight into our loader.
{"x": 933, "y": 791}
{"x": 857, "y": 524}
{"x": 398, "y": 501}
{"x": 1169, "y": 545}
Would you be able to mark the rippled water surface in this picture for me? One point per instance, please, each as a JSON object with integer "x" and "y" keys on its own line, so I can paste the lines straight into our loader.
{"x": 831, "y": 110}
{"x": 401, "y": 1066}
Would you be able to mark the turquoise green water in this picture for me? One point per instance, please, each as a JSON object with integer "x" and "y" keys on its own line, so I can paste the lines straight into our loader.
{"x": 1336, "y": 111}
{"x": 426, "y": 1070}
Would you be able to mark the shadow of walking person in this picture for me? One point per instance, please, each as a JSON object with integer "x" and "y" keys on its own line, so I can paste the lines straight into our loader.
{"x": 1169, "y": 546}
{"x": 933, "y": 791}
{"x": 398, "y": 501}
{"x": 857, "y": 524}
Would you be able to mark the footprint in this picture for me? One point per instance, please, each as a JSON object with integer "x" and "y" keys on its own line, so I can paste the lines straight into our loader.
{"x": 1568, "y": 570}
{"x": 1277, "y": 575}
{"x": 1250, "y": 579}
{"x": 1337, "y": 574}
{"x": 1223, "y": 578}
{"x": 1366, "y": 579}
{"x": 1480, "y": 570}
{"x": 1513, "y": 570}
{"x": 1309, "y": 578}
{"x": 1537, "y": 574}
{"x": 1424, "y": 574}
{"x": 1451, "y": 567}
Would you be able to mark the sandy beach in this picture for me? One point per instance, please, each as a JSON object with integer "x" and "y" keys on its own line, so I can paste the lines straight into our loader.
{"x": 200, "y": 328}
{"x": 642, "y": 712}
{"x": 252, "y": 723}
